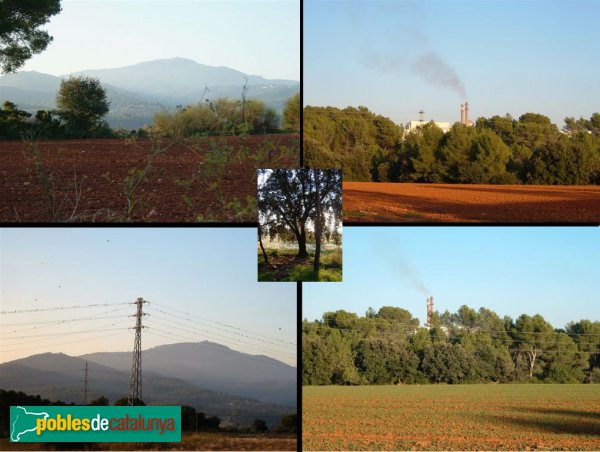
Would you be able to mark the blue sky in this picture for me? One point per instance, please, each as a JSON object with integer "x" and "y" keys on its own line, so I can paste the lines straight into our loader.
{"x": 255, "y": 37}
{"x": 510, "y": 56}
{"x": 552, "y": 271}
{"x": 209, "y": 273}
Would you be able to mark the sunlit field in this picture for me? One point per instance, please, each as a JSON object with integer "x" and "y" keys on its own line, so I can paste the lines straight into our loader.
{"x": 452, "y": 417}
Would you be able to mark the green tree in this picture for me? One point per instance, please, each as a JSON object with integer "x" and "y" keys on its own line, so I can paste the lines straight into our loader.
{"x": 491, "y": 361}
{"x": 385, "y": 361}
{"x": 288, "y": 424}
{"x": 212, "y": 422}
{"x": 422, "y": 147}
{"x": 444, "y": 362}
{"x": 124, "y": 401}
{"x": 291, "y": 113}
{"x": 586, "y": 335}
{"x": 316, "y": 361}
{"x": 353, "y": 139}
{"x": 188, "y": 418}
{"x": 287, "y": 200}
{"x": 121, "y": 402}
{"x": 20, "y": 36}
{"x": 486, "y": 159}
{"x": 565, "y": 363}
{"x": 533, "y": 337}
{"x": 82, "y": 104}
{"x": 259, "y": 426}
{"x": 565, "y": 161}
{"x": 13, "y": 122}
{"x": 100, "y": 401}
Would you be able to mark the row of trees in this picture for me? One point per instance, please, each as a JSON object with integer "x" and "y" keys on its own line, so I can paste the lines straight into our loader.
{"x": 227, "y": 116}
{"x": 497, "y": 150}
{"x": 389, "y": 347}
{"x": 82, "y": 105}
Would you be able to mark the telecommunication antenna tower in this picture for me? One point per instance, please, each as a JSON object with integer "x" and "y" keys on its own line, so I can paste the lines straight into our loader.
{"x": 135, "y": 383}
{"x": 85, "y": 383}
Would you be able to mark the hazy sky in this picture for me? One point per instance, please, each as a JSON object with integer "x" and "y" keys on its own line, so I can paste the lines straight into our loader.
{"x": 208, "y": 273}
{"x": 398, "y": 57}
{"x": 511, "y": 270}
{"x": 255, "y": 37}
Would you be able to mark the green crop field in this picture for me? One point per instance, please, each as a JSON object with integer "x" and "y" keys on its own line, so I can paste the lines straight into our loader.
{"x": 452, "y": 417}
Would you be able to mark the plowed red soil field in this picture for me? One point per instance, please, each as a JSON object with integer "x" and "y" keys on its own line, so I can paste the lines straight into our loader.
{"x": 208, "y": 179}
{"x": 452, "y": 417}
{"x": 400, "y": 202}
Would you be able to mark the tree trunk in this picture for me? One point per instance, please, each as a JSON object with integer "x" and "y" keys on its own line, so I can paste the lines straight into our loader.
{"x": 302, "y": 253}
{"x": 261, "y": 245}
{"x": 532, "y": 355}
{"x": 317, "y": 227}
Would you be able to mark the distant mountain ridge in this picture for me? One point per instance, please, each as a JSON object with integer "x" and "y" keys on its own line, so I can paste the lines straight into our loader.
{"x": 57, "y": 376}
{"x": 140, "y": 90}
{"x": 216, "y": 367}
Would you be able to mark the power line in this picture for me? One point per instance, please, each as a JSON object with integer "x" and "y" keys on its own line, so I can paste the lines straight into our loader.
{"x": 62, "y": 322}
{"x": 233, "y": 340}
{"x": 66, "y": 343}
{"x": 59, "y": 321}
{"x": 209, "y": 332}
{"x": 568, "y": 352}
{"x": 59, "y": 308}
{"x": 58, "y": 334}
{"x": 252, "y": 357}
{"x": 226, "y": 325}
{"x": 188, "y": 338}
{"x": 322, "y": 323}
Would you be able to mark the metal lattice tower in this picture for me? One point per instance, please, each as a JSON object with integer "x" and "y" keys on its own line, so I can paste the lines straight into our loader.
{"x": 135, "y": 383}
{"x": 85, "y": 383}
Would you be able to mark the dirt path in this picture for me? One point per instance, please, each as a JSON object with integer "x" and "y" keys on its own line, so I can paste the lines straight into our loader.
{"x": 400, "y": 202}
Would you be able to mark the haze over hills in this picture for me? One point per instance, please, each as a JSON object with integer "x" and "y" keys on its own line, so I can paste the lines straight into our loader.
{"x": 216, "y": 367}
{"x": 57, "y": 376}
{"x": 138, "y": 91}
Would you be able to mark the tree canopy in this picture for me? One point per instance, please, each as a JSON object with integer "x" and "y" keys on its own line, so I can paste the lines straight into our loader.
{"x": 469, "y": 346}
{"x": 497, "y": 150}
{"x": 287, "y": 201}
{"x": 216, "y": 117}
{"x": 82, "y": 104}
{"x": 291, "y": 113}
{"x": 20, "y": 34}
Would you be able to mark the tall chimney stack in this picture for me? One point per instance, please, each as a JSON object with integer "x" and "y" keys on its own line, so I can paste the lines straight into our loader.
{"x": 467, "y": 114}
{"x": 462, "y": 113}
{"x": 430, "y": 312}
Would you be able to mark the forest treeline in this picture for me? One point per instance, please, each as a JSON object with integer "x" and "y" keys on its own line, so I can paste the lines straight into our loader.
{"x": 82, "y": 105}
{"x": 388, "y": 347}
{"x": 496, "y": 150}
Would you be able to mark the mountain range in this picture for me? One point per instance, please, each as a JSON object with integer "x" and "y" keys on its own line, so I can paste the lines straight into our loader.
{"x": 212, "y": 378}
{"x": 139, "y": 91}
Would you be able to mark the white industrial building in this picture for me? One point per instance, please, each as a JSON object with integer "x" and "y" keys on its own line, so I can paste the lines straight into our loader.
{"x": 445, "y": 126}
{"x": 412, "y": 125}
